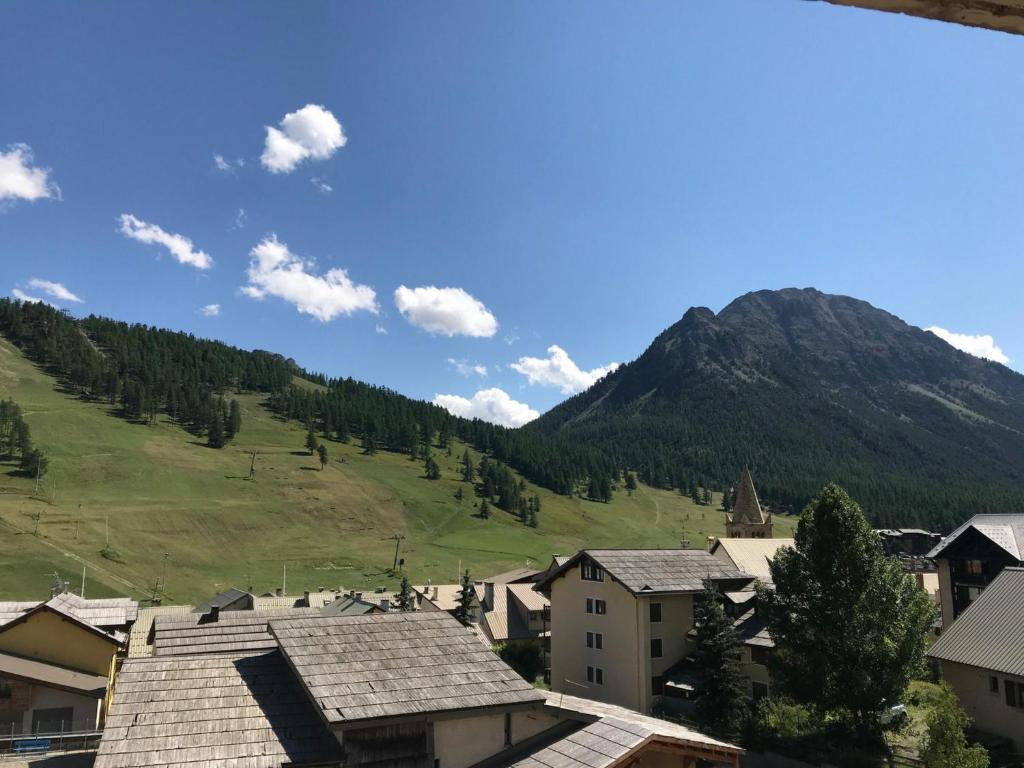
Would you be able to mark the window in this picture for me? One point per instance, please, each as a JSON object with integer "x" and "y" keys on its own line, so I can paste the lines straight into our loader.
{"x": 1014, "y": 693}
{"x": 657, "y": 685}
{"x": 993, "y": 684}
{"x": 595, "y": 640}
{"x": 655, "y": 611}
{"x": 595, "y": 675}
{"x": 508, "y": 729}
{"x": 655, "y": 647}
{"x": 590, "y": 571}
{"x": 973, "y": 567}
{"x": 759, "y": 654}
{"x": 595, "y": 606}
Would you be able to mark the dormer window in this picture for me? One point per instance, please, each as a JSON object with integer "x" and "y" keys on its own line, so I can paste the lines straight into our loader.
{"x": 590, "y": 571}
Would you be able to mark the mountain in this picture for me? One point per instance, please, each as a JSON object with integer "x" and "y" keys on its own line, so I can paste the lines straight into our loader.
{"x": 806, "y": 388}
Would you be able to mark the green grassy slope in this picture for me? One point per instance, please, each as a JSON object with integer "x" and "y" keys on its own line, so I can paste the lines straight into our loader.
{"x": 157, "y": 489}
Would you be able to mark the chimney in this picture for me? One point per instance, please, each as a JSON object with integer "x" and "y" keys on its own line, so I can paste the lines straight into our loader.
{"x": 279, "y": 592}
{"x": 357, "y": 595}
{"x": 305, "y": 597}
{"x": 711, "y": 542}
{"x": 489, "y": 595}
{"x": 385, "y": 604}
{"x": 436, "y": 592}
{"x": 215, "y": 613}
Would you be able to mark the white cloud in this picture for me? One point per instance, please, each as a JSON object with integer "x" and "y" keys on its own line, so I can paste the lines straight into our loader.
{"x": 558, "y": 370}
{"x": 240, "y": 219}
{"x": 22, "y": 296}
{"x": 19, "y": 180}
{"x": 980, "y": 345}
{"x": 467, "y": 369}
{"x": 181, "y": 247}
{"x": 210, "y": 310}
{"x": 321, "y": 186}
{"x": 493, "y": 405}
{"x": 311, "y": 133}
{"x": 276, "y": 271}
{"x": 57, "y": 290}
{"x": 381, "y": 329}
{"x": 445, "y": 311}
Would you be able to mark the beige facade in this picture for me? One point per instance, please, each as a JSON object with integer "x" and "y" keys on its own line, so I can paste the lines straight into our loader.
{"x": 945, "y": 591}
{"x": 982, "y": 694}
{"x": 462, "y": 742}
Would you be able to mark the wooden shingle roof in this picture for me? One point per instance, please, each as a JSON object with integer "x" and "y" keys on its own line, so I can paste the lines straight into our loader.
{"x": 204, "y": 711}
{"x": 396, "y": 665}
{"x": 232, "y": 632}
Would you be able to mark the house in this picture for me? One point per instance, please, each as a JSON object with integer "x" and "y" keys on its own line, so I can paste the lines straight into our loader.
{"x": 982, "y": 657}
{"x": 513, "y": 613}
{"x": 112, "y": 615}
{"x": 747, "y": 520}
{"x": 404, "y": 690}
{"x": 216, "y": 633}
{"x": 56, "y": 669}
{"x": 352, "y": 606}
{"x": 972, "y": 556}
{"x": 444, "y": 597}
{"x": 913, "y": 542}
{"x": 620, "y": 619}
{"x": 750, "y": 555}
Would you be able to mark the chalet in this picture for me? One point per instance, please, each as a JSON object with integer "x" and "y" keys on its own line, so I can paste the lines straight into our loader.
{"x": 620, "y": 619}
{"x": 412, "y": 690}
{"x": 982, "y": 657}
{"x": 972, "y": 556}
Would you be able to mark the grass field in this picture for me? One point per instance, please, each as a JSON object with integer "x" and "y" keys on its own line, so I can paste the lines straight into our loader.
{"x": 129, "y": 502}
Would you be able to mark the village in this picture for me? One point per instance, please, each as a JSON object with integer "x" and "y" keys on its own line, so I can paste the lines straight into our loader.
{"x": 589, "y": 662}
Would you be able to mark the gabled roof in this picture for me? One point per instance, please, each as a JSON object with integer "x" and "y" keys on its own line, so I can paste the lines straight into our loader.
{"x": 988, "y": 634}
{"x": 747, "y": 509}
{"x": 139, "y": 644}
{"x": 751, "y": 555}
{"x": 52, "y": 676}
{"x": 515, "y": 576}
{"x": 212, "y": 711}
{"x": 1005, "y": 531}
{"x": 528, "y": 597}
{"x": 232, "y": 632}
{"x": 350, "y": 606}
{"x": 396, "y": 665}
{"x": 65, "y": 613}
{"x": 224, "y": 599}
{"x": 443, "y": 596}
{"x": 109, "y": 613}
{"x": 655, "y": 571}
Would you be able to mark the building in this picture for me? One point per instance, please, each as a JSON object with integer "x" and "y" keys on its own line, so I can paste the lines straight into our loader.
{"x": 513, "y": 613}
{"x": 747, "y": 520}
{"x": 56, "y": 669}
{"x": 445, "y": 597}
{"x": 972, "y": 556}
{"x": 751, "y": 556}
{"x": 914, "y": 542}
{"x": 982, "y": 657}
{"x": 403, "y": 690}
{"x": 620, "y": 619}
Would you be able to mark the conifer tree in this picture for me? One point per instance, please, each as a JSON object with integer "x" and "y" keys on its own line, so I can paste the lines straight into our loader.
{"x": 322, "y": 451}
{"x": 464, "y": 607}
{"x": 215, "y": 434}
{"x": 630, "y": 482}
{"x": 311, "y": 441}
{"x": 721, "y": 699}
{"x": 485, "y": 509}
{"x": 467, "y": 467}
{"x": 406, "y": 602}
{"x": 234, "y": 420}
{"x": 431, "y": 468}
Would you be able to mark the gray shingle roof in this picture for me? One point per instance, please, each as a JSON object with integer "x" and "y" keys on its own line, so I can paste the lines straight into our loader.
{"x": 107, "y": 614}
{"x": 652, "y": 571}
{"x": 201, "y": 711}
{"x": 598, "y": 745}
{"x": 396, "y": 664}
{"x": 988, "y": 634}
{"x": 1007, "y": 531}
{"x": 350, "y": 606}
{"x": 52, "y": 675}
{"x": 233, "y": 632}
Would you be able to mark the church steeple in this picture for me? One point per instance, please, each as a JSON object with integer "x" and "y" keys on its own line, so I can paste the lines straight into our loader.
{"x": 748, "y": 520}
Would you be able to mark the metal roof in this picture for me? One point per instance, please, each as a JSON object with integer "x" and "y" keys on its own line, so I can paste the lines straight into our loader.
{"x": 53, "y": 676}
{"x": 395, "y": 665}
{"x": 656, "y": 571}
{"x": 1006, "y": 531}
{"x": 242, "y": 711}
{"x": 988, "y": 634}
{"x": 751, "y": 555}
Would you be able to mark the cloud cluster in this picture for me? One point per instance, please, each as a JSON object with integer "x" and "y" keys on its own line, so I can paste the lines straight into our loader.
{"x": 276, "y": 271}
{"x": 224, "y": 165}
{"x": 467, "y": 369}
{"x": 20, "y": 180}
{"x": 980, "y": 345}
{"x": 20, "y": 295}
{"x": 311, "y": 133}
{"x": 445, "y": 311}
{"x": 210, "y": 310}
{"x": 492, "y": 405}
{"x": 558, "y": 370}
{"x": 56, "y": 290}
{"x": 180, "y": 247}
{"x": 321, "y": 186}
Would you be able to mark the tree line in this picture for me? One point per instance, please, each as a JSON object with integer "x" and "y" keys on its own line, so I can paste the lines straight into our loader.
{"x": 16, "y": 441}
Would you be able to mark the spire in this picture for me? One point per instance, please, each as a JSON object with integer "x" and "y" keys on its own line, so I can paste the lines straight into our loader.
{"x": 747, "y": 508}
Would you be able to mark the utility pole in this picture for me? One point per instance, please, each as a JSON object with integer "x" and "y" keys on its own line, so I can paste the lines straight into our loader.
{"x": 284, "y": 580}
{"x": 83, "y": 582}
{"x": 398, "y": 542}
{"x": 252, "y": 467}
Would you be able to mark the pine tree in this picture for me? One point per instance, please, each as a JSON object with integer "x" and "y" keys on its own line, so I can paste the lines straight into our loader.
{"x": 431, "y": 468}
{"x": 467, "y": 467}
{"x": 234, "y": 424}
{"x": 464, "y": 607}
{"x": 485, "y": 509}
{"x": 630, "y": 482}
{"x": 322, "y": 450}
{"x": 721, "y": 698}
{"x": 311, "y": 441}
{"x": 406, "y": 602}
{"x": 215, "y": 434}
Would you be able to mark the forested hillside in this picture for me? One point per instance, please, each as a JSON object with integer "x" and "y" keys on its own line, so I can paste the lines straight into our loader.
{"x": 808, "y": 388}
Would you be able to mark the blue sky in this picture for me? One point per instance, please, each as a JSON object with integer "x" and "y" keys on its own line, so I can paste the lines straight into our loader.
{"x": 579, "y": 174}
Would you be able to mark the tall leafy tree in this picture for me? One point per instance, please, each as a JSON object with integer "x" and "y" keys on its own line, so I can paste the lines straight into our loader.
{"x": 849, "y": 625}
{"x": 721, "y": 703}
{"x": 944, "y": 743}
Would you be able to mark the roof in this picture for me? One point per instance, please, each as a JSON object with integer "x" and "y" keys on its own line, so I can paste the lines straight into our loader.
{"x": 1006, "y": 531}
{"x": 654, "y": 571}
{"x": 516, "y": 575}
{"x": 349, "y": 606}
{"x": 395, "y": 665}
{"x": 531, "y": 599}
{"x": 999, "y": 15}
{"x": 751, "y": 630}
{"x": 751, "y": 555}
{"x": 598, "y": 745}
{"x": 52, "y": 675}
{"x": 444, "y": 596}
{"x": 501, "y": 622}
{"x": 11, "y": 610}
{"x": 987, "y": 634}
{"x": 232, "y": 632}
{"x": 746, "y": 508}
{"x": 241, "y": 711}
{"x": 62, "y": 610}
{"x": 138, "y": 639}
{"x": 224, "y": 599}
{"x": 104, "y": 613}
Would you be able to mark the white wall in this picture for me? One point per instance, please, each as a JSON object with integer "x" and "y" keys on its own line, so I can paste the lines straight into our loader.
{"x": 461, "y": 742}
{"x": 988, "y": 710}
